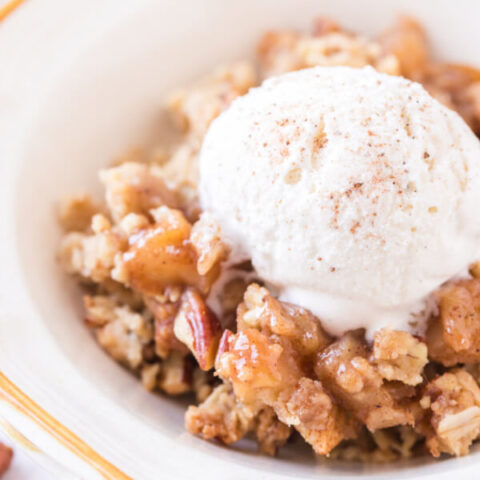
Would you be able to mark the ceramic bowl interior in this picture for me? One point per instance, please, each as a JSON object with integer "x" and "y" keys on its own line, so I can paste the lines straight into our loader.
{"x": 107, "y": 99}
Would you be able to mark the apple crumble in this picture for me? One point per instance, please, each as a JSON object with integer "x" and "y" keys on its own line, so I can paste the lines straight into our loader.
{"x": 164, "y": 296}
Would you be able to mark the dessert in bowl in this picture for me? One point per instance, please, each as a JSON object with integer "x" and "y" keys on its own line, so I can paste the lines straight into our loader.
{"x": 303, "y": 257}
{"x": 106, "y": 97}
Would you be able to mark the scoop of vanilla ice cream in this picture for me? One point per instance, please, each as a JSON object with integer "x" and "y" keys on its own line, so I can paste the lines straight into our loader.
{"x": 354, "y": 193}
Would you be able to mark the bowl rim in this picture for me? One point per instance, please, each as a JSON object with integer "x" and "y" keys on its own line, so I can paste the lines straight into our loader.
{"x": 18, "y": 400}
{"x": 27, "y": 418}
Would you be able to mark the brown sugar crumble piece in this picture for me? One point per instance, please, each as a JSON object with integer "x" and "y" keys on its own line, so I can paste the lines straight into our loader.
{"x": 91, "y": 256}
{"x": 317, "y": 418}
{"x": 191, "y": 110}
{"x": 399, "y": 356}
{"x": 76, "y": 212}
{"x": 454, "y": 336}
{"x": 120, "y": 331}
{"x": 452, "y": 413}
{"x": 206, "y": 240}
{"x": 194, "y": 108}
{"x": 223, "y": 417}
{"x": 135, "y": 188}
{"x": 270, "y": 432}
{"x": 344, "y": 369}
{"x": 329, "y": 45}
{"x": 131, "y": 338}
{"x": 220, "y": 416}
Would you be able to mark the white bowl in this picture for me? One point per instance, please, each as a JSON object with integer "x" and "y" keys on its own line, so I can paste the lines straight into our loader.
{"x": 80, "y": 82}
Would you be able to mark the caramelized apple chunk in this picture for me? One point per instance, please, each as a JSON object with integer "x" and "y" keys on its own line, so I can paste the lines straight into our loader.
{"x": 454, "y": 337}
{"x": 162, "y": 255}
{"x": 345, "y": 371}
{"x": 452, "y": 413}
